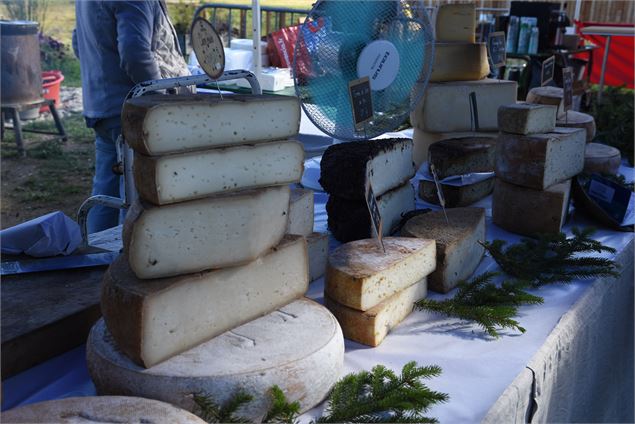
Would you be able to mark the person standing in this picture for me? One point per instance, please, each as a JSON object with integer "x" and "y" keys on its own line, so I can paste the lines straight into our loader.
{"x": 119, "y": 44}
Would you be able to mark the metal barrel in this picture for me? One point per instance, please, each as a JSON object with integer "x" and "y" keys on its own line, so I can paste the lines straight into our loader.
{"x": 20, "y": 58}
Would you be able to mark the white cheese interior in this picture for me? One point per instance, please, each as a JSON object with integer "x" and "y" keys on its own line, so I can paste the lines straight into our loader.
{"x": 565, "y": 155}
{"x": 300, "y": 212}
{"x": 209, "y": 233}
{"x": 390, "y": 169}
{"x": 393, "y": 204}
{"x": 318, "y": 248}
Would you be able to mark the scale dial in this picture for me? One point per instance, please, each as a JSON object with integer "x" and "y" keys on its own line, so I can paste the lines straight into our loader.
{"x": 208, "y": 48}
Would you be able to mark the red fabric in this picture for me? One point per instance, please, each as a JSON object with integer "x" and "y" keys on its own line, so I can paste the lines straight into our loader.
{"x": 620, "y": 64}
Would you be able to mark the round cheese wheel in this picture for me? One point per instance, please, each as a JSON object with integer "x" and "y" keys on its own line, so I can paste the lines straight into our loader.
{"x": 548, "y": 96}
{"x": 575, "y": 119}
{"x": 298, "y": 347}
{"x": 100, "y": 409}
{"x": 602, "y": 159}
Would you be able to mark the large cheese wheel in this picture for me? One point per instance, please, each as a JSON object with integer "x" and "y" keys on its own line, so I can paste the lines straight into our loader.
{"x": 455, "y": 196}
{"x": 456, "y": 22}
{"x": 459, "y": 62}
{"x": 299, "y": 347}
{"x": 575, "y": 119}
{"x": 548, "y": 95}
{"x": 602, "y": 159}
{"x": 459, "y": 156}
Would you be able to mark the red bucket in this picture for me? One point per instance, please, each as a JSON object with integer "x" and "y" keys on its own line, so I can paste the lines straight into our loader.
{"x": 51, "y": 83}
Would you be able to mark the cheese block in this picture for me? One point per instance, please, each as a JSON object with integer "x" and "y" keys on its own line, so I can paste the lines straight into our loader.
{"x": 300, "y": 212}
{"x": 445, "y": 106}
{"x": 349, "y": 220}
{"x": 215, "y": 232}
{"x": 100, "y": 409}
{"x": 458, "y": 156}
{"x": 456, "y": 196}
{"x": 528, "y": 211}
{"x": 318, "y": 249}
{"x": 459, "y": 62}
{"x": 371, "y": 327}
{"x": 344, "y": 167}
{"x": 458, "y": 251}
{"x": 157, "y": 124}
{"x": 422, "y": 140}
{"x": 548, "y": 95}
{"x": 174, "y": 178}
{"x": 540, "y": 160}
{"x": 602, "y": 159}
{"x": 456, "y": 22}
{"x": 526, "y": 118}
{"x": 298, "y": 347}
{"x": 360, "y": 274}
{"x": 574, "y": 119}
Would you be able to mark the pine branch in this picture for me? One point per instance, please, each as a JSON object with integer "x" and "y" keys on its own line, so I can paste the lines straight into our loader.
{"x": 483, "y": 302}
{"x": 553, "y": 258}
{"x": 281, "y": 411}
{"x": 212, "y": 412}
{"x": 380, "y": 396}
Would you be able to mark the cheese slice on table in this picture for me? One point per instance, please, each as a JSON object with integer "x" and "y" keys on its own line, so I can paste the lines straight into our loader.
{"x": 456, "y": 22}
{"x": 298, "y": 347}
{"x": 175, "y": 178}
{"x": 445, "y": 106}
{"x": 318, "y": 248}
{"x": 540, "y": 160}
{"x": 371, "y": 327}
{"x": 349, "y": 220}
{"x": 459, "y": 62}
{"x": 459, "y": 156}
{"x": 162, "y": 241}
{"x": 526, "y": 118}
{"x": 422, "y": 140}
{"x": 100, "y": 409}
{"x": 344, "y": 167}
{"x": 528, "y": 211}
{"x": 458, "y": 250}
{"x": 157, "y": 124}
{"x": 548, "y": 95}
{"x": 455, "y": 196}
{"x": 602, "y": 159}
{"x": 300, "y": 212}
{"x": 360, "y": 275}
{"x": 153, "y": 320}
{"x": 574, "y": 119}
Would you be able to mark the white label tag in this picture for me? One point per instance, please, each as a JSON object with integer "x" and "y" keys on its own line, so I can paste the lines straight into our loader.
{"x": 601, "y": 191}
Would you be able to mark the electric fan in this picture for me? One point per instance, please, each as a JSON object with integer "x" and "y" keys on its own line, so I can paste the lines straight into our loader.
{"x": 389, "y": 42}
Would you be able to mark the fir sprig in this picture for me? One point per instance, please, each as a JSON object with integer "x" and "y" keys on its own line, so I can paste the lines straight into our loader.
{"x": 553, "y": 258}
{"x": 481, "y": 301}
{"x": 212, "y": 412}
{"x": 281, "y": 410}
{"x": 381, "y": 396}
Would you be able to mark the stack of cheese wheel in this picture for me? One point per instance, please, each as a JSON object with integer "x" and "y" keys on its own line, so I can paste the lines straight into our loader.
{"x": 345, "y": 171}
{"x": 206, "y": 296}
{"x": 535, "y": 162}
{"x": 460, "y": 67}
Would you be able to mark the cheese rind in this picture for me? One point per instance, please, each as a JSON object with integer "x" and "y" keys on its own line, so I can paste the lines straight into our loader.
{"x": 300, "y": 212}
{"x": 360, "y": 275}
{"x": 459, "y": 62}
{"x": 157, "y": 124}
{"x": 456, "y": 22}
{"x": 526, "y": 118}
{"x": 422, "y": 140}
{"x": 601, "y": 158}
{"x": 298, "y": 347}
{"x": 540, "y": 160}
{"x": 445, "y": 106}
{"x": 455, "y": 196}
{"x": 459, "y": 156}
{"x": 575, "y": 119}
{"x": 318, "y": 250}
{"x": 344, "y": 167}
{"x": 372, "y": 326}
{"x": 458, "y": 251}
{"x": 349, "y": 220}
{"x": 100, "y": 409}
{"x": 153, "y": 320}
{"x": 162, "y": 241}
{"x": 175, "y": 178}
{"x": 528, "y": 211}
{"x": 548, "y": 95}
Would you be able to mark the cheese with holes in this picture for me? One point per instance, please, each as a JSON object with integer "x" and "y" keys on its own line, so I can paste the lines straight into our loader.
{"x": 602, "y": 159}
{"x": 459, "y": 62}
{"x": 458, "y": 250}
{"x": 540, "y": 160}
{"x": 574, "y": 119}
{"x": 445, "y": 106}
{"x": 100, "y": 409}
{"x": 458, "y": 156}
{"x": 154, "y": 320}
{"x": 344, "y": 167}
{"x": 371, "y": 327}
{"x": 528, "y": 211}
{"x": 185, "y": 176}
{"x": 318, "y": 249}
{"x": 526, "y": 118}
{"x": 548, "y": 95}
{"x": 349, "y": 220}
{"x": 157, "y": 124}
{"x": 300, "y": 212}
{"x": 455, "y": 196}
{"x": 456, "y": 22}
{"x": 298, "y": 347}
{"x": 360, "y": 274}
{"x": 422, "y": 140}
{"x": 162, "y": 241}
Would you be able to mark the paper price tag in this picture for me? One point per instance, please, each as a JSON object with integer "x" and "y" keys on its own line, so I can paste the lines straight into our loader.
{"x": 375, "y": 216}
{"x": 610, "y": 196}
{"x": 567, "y": 86}
{"x": 600, "y": 191}
{"x": 361, "y": 101}
{"x": 496, "y": 48}
{"x": 548, "y": 66}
